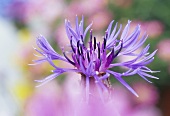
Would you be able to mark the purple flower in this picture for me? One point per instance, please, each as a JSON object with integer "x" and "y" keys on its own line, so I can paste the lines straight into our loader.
{"x": 94, "y": 62}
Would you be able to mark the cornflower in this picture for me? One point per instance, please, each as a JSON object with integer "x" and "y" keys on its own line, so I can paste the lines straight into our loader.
{"x": 94, "y": 62}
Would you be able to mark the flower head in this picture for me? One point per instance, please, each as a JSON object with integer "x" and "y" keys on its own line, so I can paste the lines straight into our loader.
{"x": 94, "y": 61}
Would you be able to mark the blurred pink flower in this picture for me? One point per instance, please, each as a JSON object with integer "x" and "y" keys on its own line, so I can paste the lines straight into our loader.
{"x": 44, "y": 102}
{"x": 86, "y": 7}
{"x": 91, "y": 6}
{"x": 67, "y": 100}
{"x": 100, "y": 20}
{"x": 148, "y": 94}
{"x": 145, "y": 111}
{"x": 61, "y": 36}
{"x": 44, "y": 8}
{"x": 18, "y": 10}
{"x": 25, "y": 11}
{"x": 153, "y": 28}
{"x": 144, "y": 105}
{"x": 163, "y": 49}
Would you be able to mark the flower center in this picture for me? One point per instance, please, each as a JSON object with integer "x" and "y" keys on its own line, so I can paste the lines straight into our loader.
{"x": 93, "y": 82}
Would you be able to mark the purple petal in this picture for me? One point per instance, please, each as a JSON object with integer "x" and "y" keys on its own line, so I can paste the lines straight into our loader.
{"x": 113, "y": 32}
{"x": 118, "y": 77}
{"x": 109, "y": 28}
{"x": 77, "y": 26}
{"x": 73, "y": 33}
{"x": 125, "y": 31}
{"x": 130, "y": 72}
{"x": 86, "y": 30}
{"x": 81, "y": 25}
{"x": 105, "y": 76}
{"x": 148, "y": 75}
{"x": 40, "y": 60}
{"x": 144, "y": 77}
{"x": 47, "y": 79}
{"x": 111, "y": 42}
{"x": 67, "y": 29}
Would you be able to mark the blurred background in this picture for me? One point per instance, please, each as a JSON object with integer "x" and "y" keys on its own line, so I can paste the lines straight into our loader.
{"x": 21, "y": 21}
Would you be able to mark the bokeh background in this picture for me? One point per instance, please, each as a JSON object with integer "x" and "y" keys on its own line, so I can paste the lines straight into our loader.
{"x": 21, "y": 21}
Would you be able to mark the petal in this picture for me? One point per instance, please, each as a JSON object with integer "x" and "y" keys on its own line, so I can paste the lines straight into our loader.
{"x": 86, "y": 30}
{"x": 67, "y": 30}
{"x": 49, "y": 78}
{"x": 81, "y": 25}
{"x": 47, "y": 49}
{"x": 110, "y": 28}
{"x": 119, "y": 78}
{"x": 125, "y": 31}
{"x": 40, "y": 60}
{"x": 105, "y": 76}
{"x": 130, "y": 72}
{"x": 113, "y": 32}
{"x": 148, "y": 75}
{"x": 110, "y": 43}
{"x": 73, "y": 33}
{"x": 77, "y": 26}
{"x": 144, "y": 77}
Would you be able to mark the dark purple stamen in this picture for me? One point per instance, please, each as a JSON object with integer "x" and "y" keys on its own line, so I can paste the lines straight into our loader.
{"x": 112, "y": 55}
{"x": 81, "y": 49}
{"x": 83, "y": 57}
{"x": 78, "y": 50}
{"x": 119, "y": 49}
{"x": 82, "y": 38}
{"x": 94, "y": 43}
{"x": 74, "y": 59}
{"x": 109, "y": 58}
{"x": 106, "y": 34}
{"x": 98, "y": 45}
{"x": 88, "y": 56}
{"x": 104, "y": 43}
{"x": 78, "y": 43}
{"x": 90, "y": 43}
{"x": 68, "y": 59}
{"x": 71, "y": 42}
